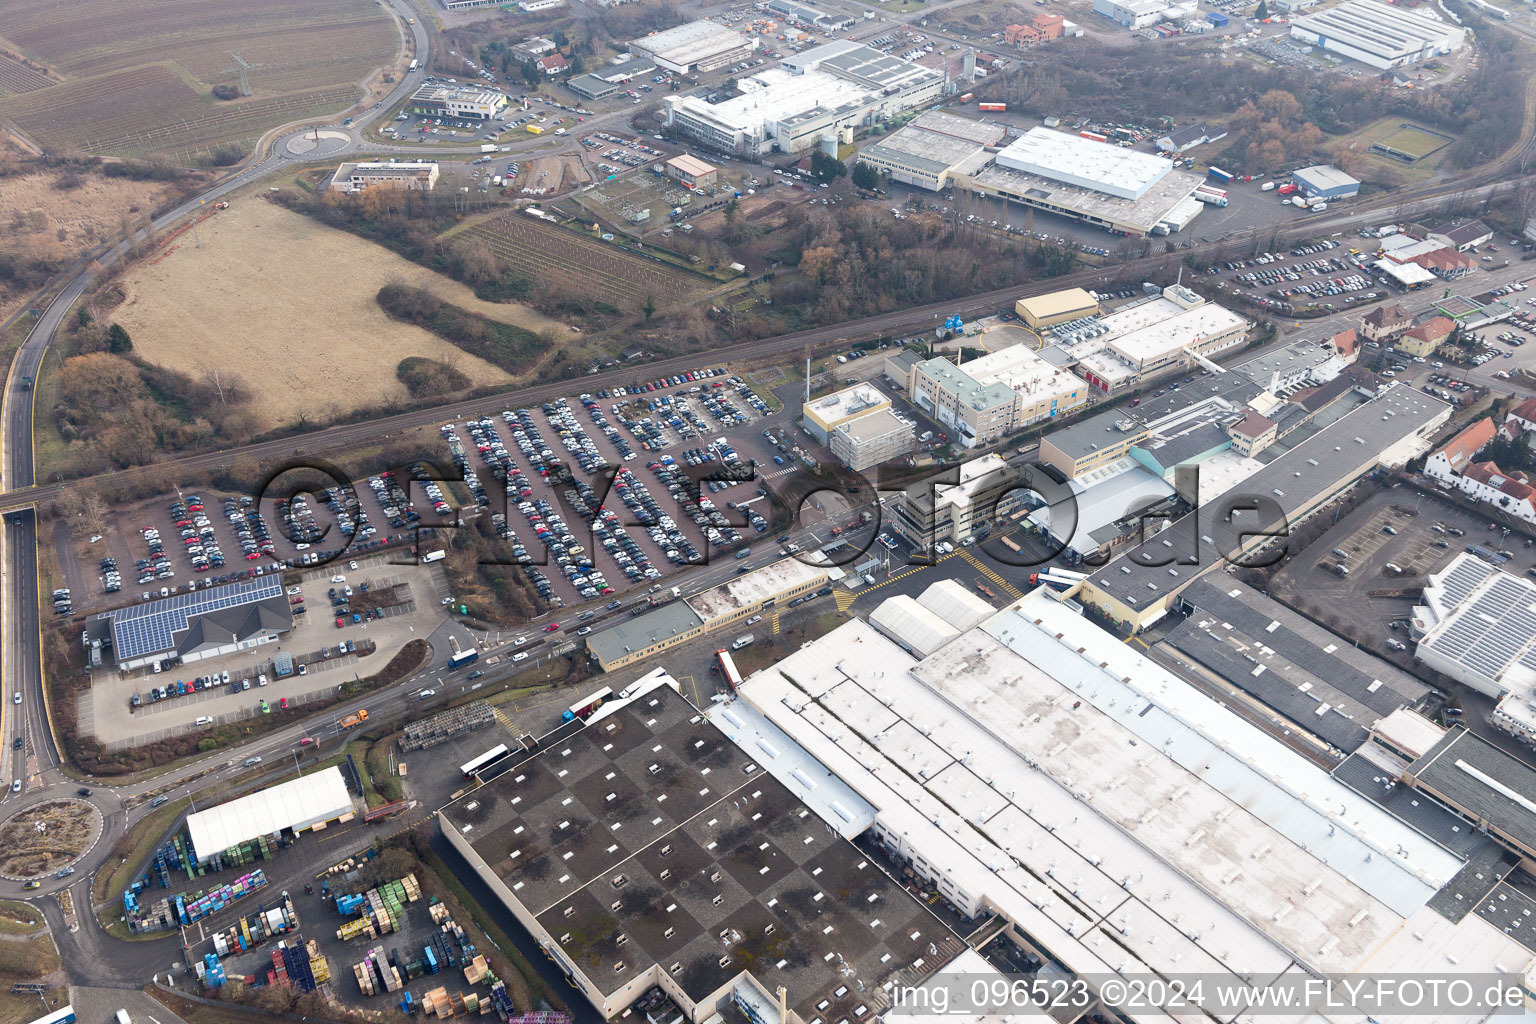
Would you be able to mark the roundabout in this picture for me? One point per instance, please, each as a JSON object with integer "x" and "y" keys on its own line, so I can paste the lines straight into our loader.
{"x": 317, "y": 143}
{"x": 44, "y": 838}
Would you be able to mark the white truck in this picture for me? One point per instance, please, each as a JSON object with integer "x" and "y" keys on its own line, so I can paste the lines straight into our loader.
{"x": 433, "y": 556}
{"x": 496, "y": 180}
{"x": 745, "y": 640}
{"x": 488, "y": 148}
{"x": 1268, "y": 186}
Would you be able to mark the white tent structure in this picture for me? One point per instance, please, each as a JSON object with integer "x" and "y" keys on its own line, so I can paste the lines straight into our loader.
{"x": 952, "y": 602}
{"x": 914, "y": 627}
{"x": 303, "y": 803}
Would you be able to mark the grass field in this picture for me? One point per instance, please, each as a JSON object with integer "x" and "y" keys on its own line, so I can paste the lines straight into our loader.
{"x": 1414, "y": 141}
{"x": 1390, "y": 131}
{"x": 135, "y": 848}
{"x": 139, "y": 74}
{"x": 268, "y": 284}
{"x": 585, "y": 266}
{"x": 23, "y": 962}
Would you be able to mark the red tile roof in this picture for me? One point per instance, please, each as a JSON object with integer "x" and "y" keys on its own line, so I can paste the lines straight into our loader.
{"x": 1526, "y": 410}
{"x": 1346, "y": 343}
{"x": 1433, "y": 329}
{"x": 1253, "y": 425}
{"x": 1461, "y": 448}
{"x": 1490, "y": 474}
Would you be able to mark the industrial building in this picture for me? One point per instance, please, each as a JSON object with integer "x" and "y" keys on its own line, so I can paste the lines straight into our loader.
{"x": 1377, "y": 34}
{"x": 194, "y": 626}
{"x": 931, "y": 149}
{"x": 1462, "y": 235}
{"x": 823, "y": 415}
{"x": 700, "y": 46}
{"x": 1475, "y": 623}
{"x": 1290, "y": 664}
{"x": 1117, "y": 189}
{"x": 692, "y": 172}
{"x": 649, "y": 849}
{"x": 867, "y": 441}
{"x": 1135, "y": 14}
{"x": 791, "y": 108}
{"x": 921, "y": 625}
{"x": 1117, "y": 820}
{"x": 1160, "y": 334}
{"x": 610, "y": 78}
{"x": 307, "y": 803}
{"x": 415, "y": 175}
{"x": 1181, "y": 140}
{"x": 438, "y": 100}
{"x": 1138, "y": 588}
{"x": 994, "y": 394}
{"x": 1052, "y": 308}
{"x": 678, "y": 621}
{"x": 1324, "y": 182}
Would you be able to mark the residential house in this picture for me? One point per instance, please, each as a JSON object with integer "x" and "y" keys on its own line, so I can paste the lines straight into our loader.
{"x": 1521, "y": 418}
{"x": 553, "y": 64}
{"x": 1424, "y": 339}
{"x": 1447, "y": 464}
{"x": 1385, "y": 322}
{"x": 1510, "y": 492}
{"x": 1345, "y": 345}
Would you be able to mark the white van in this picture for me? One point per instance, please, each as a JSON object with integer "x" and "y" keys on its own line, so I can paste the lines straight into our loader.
{"x": 205, "y": 720}
{"x": 122, "y": 1017}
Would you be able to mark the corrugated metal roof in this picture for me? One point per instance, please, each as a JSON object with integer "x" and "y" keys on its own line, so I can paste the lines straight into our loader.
{"x": 297, "y": 804}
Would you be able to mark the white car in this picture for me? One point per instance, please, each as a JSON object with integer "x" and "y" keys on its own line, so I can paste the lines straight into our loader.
{"x": 520, "y": 656}
{"x": 424, "y": 694}
{"x": 352, "y": 565}
{"x": 520, "y": 641}
{"x": 16, "y": 699}
{"x": 293, "y": 591}
{"x": 338, "y": 579}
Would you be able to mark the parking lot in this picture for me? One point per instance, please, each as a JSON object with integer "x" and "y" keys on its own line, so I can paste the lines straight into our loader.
{"x": 1388, "y": 545}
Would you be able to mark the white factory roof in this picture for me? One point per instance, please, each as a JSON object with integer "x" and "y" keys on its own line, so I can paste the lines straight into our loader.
{"x": 851, "y": 401}
{"x": 1379, "y": 28}
{"x": 807, "y": 778}
{"x": 974, "y": 477}
{"x": 1324, "y": 176}
{"x": 1083, "y": 162}
{"x": 911, "y": 625}
{"x": 1185, "y": 329}
{"x": 773, "y": 95}
{"x": 691, "y": 43}
{"x": 756, "y": 586}
{"x": 319, "y": 796}
{"x": 1409, "y": 731}
{"x": 1125, "y": 820}
{"x": 1022, "y": 370}
{"x": 952, "y": 602}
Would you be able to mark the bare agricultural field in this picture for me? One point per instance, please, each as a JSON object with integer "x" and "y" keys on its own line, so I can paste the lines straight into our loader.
{"x": 139, "y": 74}
{"x": 587, "y": 266}
{"x": 17, "y": 77}
{"x": 289, "y": 305}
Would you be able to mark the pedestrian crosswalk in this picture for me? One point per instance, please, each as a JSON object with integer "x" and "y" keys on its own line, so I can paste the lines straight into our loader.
{"x": 775, "y": 624}
{"x": 844, "y": 599}
{"x": 501, "y": 717}
{"x": 990, "y": 573}
{"x": 777, "y": 473}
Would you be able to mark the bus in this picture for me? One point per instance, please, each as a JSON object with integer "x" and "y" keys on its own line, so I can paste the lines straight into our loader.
{"x": 459, "y": 659}
{"x": 415, "y": 64}
{"x": 727, "y": 667}
{"x": 484, "y": 761}
{"x": 582, "y": 708}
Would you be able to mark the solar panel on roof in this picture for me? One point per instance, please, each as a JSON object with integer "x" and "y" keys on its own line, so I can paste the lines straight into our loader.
{"x": 150, "y": 628}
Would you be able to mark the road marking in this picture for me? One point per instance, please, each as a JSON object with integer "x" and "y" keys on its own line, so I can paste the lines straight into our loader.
{"x": 776, "y": 623}
{"x": 991, "y": 574}
{"x": 844, "y": 600}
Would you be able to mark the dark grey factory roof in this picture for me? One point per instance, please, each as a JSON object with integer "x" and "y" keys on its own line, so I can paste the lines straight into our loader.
{"x": 1460, "y": 769}
{"x": 1300, "y": 653}
{"x": 1512, "y": 912}
{"x": 1293, "y": 481}
{"x": 1173, "y": 451}
{"x": 649, "y": 837}
{"x": 642, "y": 631}
{"x": 1190, "y": 133}
{"x": 1261, "y": 368}
{"x": 1425, "y": 814}
{"x": 1088, "y": 436}
{"x": 1484, "y": 870}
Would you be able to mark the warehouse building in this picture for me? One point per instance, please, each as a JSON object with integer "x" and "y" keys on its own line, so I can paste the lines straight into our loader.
{"x": 700, "y": 46}
{"x": 1290, "y": 664}
{"x": 870, "y": 440}
{"x": 610, "y": 78}
{"x": 647, "y": 849}
{"x": 1138, "y": 588}
{"x": 308, "y": 803}
{"x": 1324, "y": 182}
{"x": 693, "y": 172}
{"x": 1475, "y": 623}
{"x": 823, "y": 415}
{"x": 195, "y": 626}
{"x": 1117, "y": 189}
{"x": 921, "y": 625}
{"x": 1115, "y": 819}
{"x": 1377, "y": 34}
{"x": 1181, "y": 140}
{"x": 1052, "y": 308}
{"x": 1462, "y": 235}
{"x": 791, "y": 108}
{"x": 415, "y": 175}
{"x": 931, "y": 149}
{"x": 437, "y": 100}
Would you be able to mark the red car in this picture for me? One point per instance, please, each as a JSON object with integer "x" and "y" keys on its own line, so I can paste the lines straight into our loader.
{"x": 340, "y": 622}
{"x": 307, "y": 741}
{"x": 282, "y": 705}
{"x": 551, "y": 627}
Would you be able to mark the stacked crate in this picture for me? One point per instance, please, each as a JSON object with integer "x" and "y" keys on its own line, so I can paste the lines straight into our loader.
{"x": 319, "y": 966}
{"x": 446, "y": 726}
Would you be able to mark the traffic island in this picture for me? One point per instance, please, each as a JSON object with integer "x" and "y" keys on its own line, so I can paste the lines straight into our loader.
{"x": 47, "y": 837}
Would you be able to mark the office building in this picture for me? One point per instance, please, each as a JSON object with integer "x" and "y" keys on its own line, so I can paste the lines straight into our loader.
{"x": 1385, "y": 322}
{"x": 439, "y": 100}
{"x": 693, "y": 172}
{"x": 1052, "y": 308}
{"x": 1323, "y": 182}
{"x": 995, "y": 394}
{"x": 867, "y": 441}
{"x": 700, "y": 46}
{"x": 823, "y": 415}
{"x": 647, "y": 849}
{"x": 1138, "y": 588}
{"x": 194, "y": 626}
{"x": 1378, "y": 35}
{"x": 930, "y": 513}
{"x": 1426, "y": 338}
{"x": 415, "y": 175}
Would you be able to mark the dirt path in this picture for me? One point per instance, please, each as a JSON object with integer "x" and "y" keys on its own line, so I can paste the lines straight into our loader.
{"x": 288, "y": 304}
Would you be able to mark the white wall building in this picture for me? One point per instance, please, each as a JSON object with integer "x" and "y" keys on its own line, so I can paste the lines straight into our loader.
{"x": 1133, "y": 14}
{"x": 1377, "y": 34}
{"x": 697, "y": 46}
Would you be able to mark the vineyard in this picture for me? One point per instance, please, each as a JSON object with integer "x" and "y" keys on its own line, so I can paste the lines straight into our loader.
{"x": 139, "y": 73}
{"x": 551, "y": 255}
{"x": 16, "y": 77}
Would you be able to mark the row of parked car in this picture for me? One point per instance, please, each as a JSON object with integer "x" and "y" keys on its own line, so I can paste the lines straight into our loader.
{"x": 197, "y": 535}
{"x": 197, "y": 684}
